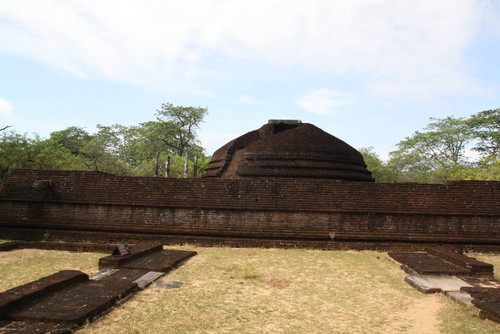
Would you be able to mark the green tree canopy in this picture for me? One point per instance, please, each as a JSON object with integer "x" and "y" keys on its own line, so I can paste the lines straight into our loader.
{"x": 439, "y": 152}
{"x": 15, "y": 152}
{"x": 485, "y": 126}
{"x": 73, "y": 138}
{"x": 175, "y": 128}
{"x": 381, "y": 171}
{"x": 116, "y": 149}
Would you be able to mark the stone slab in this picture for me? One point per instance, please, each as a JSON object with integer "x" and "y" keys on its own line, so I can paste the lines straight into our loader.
{"x": 102, "y": 273}
{"x": 160, "y": 261}
{"x": 491, "y": 294}
{"x": 482, "y": 283}
{"x": 21, "y": 327}
{"x": 434, "y": 284}
{"x": 473, "y": 266}
{"x": 420, "y": 284}
{"x": 442, "y": 261}
{"x": 61, "y": 302}
{"x": 426, "y": 264}
{"x": 166, "y": 284}
{"x": 76, "y": 304}
{"x": 460, "y": 297}
{"x": 28, "y": 292}
{"x": 487, "y": 300}
{"x": 125, "y": 275}
{"x": 490, "y": 310}
{"x": 148, "y": 278}
{"x": 138, "y": 251}
{"x": 8, "y": 246}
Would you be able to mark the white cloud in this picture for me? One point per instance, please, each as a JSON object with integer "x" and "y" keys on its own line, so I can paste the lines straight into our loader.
{"x": 408, "y": 48}
{"x": 249, "y": 100}
{"x": 323, "y": 101}
{"x": 5, "y": 108}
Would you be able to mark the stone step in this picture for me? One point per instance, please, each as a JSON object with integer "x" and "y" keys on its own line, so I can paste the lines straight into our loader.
{"x": 435, "y": 284}
{"x": 8, "y": 246}
{"x": 487, "y": 300}
{"x": 29, "y": 292}
{"x": 461, "y": 260}
{"x": 26, "y": 327}
{"x": 471, "y": 289}
{"x": 148, "y": 278}
{"x": 163, "y": 261}
{"x": 117, "y": 261}
{"x": 65, "y": 300}
{"x": 81, "y": 302}
{"x": 425, "y": 264}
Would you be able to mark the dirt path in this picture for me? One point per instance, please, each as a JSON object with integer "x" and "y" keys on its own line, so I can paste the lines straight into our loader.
{"x": 422, "y": 316}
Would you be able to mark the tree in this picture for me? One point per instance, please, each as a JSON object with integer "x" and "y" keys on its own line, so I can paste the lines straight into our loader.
{"x": 441, "y": 147}
{"x": 489, "y": 172}
{"x": 380, "y": 170}
{"x": 20, "y": 151}
{"x": 173, "y": 133}
{"x": 73, "y": 138}
{"x": 99, "y": 158}
{"x": 119, "y": 141}
{"x": 176, "y": 126}
{"x": 116, "y": 149}
{"x": 15, "y": 152}
{"x": 485, "y": 127}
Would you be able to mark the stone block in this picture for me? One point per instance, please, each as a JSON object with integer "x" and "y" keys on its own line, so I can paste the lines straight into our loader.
{"x": 434, "y": 284}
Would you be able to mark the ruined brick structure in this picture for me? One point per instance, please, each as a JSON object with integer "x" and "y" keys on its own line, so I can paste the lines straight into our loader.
{"x": 333, "y": 206}
{"x": 288, "y": 149}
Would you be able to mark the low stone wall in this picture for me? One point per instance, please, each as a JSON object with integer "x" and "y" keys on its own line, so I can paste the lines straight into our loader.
{"x": 79, "y": 205}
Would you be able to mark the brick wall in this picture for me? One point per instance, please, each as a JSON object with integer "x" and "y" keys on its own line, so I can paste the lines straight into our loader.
{"x": 299, "y": 209}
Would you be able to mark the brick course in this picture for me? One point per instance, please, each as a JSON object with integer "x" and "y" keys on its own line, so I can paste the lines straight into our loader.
{"x": 302, "y": 209}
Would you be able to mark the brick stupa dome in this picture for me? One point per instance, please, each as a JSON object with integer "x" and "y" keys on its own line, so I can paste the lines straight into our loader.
{"x": 286, "y": 148}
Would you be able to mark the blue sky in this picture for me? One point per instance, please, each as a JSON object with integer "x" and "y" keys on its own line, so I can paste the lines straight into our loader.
{"x": 369, "y": 72}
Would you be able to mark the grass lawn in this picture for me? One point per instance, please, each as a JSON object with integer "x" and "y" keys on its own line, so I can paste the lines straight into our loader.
{"x": 21, "y": 266}
{"x": 253, "y": 290}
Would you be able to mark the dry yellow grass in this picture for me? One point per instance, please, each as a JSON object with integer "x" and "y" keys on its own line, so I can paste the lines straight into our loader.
{"x": 229, "y": 290}
{"x": 25, "y": 265}
{"x": 288, "y": 291}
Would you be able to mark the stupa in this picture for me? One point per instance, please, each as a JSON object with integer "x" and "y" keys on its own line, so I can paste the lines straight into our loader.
{"x": 288, "y": 149}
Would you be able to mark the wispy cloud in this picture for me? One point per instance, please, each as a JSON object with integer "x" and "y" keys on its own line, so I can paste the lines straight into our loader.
{"x": 249, "y": 100}
{"x": 391, "y": 47}
{"x": 324, "y": 101}
{"x": 5, "y": 108}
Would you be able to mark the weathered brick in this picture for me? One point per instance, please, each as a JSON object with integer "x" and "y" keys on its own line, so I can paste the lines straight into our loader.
{"x": 93, "y": 203}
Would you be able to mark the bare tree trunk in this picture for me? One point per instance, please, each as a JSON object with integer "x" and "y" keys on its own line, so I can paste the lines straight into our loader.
{"x": 157, "y": 163}
{"x": 167, "y": 167}
{"x": 186, "y": 165}
{"x": 195, "y": 168}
